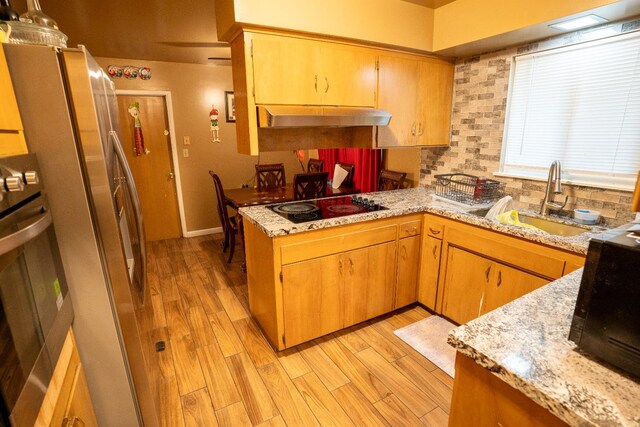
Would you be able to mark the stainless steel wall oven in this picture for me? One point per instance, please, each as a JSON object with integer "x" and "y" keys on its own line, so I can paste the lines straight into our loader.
{"x": 35, "y": 308}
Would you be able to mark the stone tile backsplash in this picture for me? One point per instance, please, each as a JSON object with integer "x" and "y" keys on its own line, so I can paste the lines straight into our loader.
{"x": 479, "y": 107}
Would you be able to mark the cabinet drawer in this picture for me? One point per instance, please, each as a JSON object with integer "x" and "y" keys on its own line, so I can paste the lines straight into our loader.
{"x": 433, "y": 227}
{"x": 410, "y": 228}
{"x": 301, "y": 251}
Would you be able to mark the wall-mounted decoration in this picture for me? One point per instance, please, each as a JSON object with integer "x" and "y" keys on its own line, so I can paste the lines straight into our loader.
{"x": 138, "y": 138}
{"x": 129, "y": 72}
{"x": 230, "y": 106}
{"x": 215, "y": 129}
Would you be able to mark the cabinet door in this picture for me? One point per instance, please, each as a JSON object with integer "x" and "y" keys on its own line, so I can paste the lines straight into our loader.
{"x": 398, "y": 86}
{"x": 434, "y": 103}
{"x": 466, "y": 278}
{"x": 12, "y": 140}
{"x": 507, "y": 284}
{"x": 80, "y": 407}
{"x": 429, "y": 269}
{"x": 311, "y": 298}
{"x": 408, "y": 269}
{"x": 368, "y": 282}
{"x": 348, "y": 76}
{"x": 286, "y": 70}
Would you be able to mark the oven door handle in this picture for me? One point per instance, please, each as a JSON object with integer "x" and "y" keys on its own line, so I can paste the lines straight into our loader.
{"x": 25, "y": 235}
{"x": 137, "y": 209}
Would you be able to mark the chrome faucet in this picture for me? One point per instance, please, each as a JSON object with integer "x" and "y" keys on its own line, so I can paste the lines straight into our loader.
{"x": 553, "y": 180}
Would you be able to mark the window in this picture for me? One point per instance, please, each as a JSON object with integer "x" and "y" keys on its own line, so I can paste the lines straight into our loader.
{"x": 580, "y": 105}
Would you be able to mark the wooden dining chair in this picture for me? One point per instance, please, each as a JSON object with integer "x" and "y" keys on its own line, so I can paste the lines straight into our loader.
{"x": 270, "y": 176}
{"x": 315, "y": 165}
{"x": 229, "y": 224}
{"x": 350, "y": 168}
{"x": 310, "y": 185}
{"x": 390, "y": 180}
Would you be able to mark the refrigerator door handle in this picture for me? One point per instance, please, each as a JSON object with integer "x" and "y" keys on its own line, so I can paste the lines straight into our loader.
{"x": 137, "y": 208}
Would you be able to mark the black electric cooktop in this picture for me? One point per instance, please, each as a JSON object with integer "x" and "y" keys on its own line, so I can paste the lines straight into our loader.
{"x": 312, "y": 210}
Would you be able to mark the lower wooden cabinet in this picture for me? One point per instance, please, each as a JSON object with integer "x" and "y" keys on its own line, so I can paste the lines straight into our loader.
{"x": 429, "y": 270}
{"x": 408, "y": 270}
{"x": 467, "y": 271}
{"x": 67, "y": 401}
{"x": 329, "y": 293}
{"x": 306, "y": 285}
{"x": 465, "y": 282}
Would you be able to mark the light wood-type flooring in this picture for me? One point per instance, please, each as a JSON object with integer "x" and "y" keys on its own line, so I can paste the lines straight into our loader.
{"x": 218, "y": 369}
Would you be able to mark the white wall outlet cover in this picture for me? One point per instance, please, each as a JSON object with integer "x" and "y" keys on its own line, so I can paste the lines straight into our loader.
{"x": 186, "y": 140}
{"x": 185, "y": 152}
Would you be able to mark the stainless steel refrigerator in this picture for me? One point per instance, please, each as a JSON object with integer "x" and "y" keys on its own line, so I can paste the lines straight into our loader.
{"x": 70, "y": 115}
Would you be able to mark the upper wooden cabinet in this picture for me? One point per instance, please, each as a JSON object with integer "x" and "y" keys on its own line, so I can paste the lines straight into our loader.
{"x": 418, "y": 94}
{"x": 12, "y": 140}
{"x": 289, "y": 70}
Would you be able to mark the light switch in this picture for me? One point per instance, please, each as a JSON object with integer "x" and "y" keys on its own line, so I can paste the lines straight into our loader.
{"x": 185, "y": 152}
{"x": 186, "y": 140}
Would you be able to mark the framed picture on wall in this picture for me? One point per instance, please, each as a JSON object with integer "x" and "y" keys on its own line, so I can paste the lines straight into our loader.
{"x": 230, "y": 106}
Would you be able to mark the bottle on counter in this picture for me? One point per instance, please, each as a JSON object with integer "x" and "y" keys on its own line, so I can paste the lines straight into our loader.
{"x": 7, "y": 13}
{"x": 35, "y": 15}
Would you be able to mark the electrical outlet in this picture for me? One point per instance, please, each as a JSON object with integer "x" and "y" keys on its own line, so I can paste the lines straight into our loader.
{"x": 185, "y": 152}
{"x": 186, "y": 140}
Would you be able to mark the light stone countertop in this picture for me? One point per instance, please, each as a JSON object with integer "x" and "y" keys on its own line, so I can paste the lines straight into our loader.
{"x": 412, "y": 200}
{"x": 525, "y": 344}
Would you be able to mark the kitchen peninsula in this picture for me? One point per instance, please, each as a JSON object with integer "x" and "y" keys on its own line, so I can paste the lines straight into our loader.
{"x": 312, "y": 278}
{"x": 524, "y": 346}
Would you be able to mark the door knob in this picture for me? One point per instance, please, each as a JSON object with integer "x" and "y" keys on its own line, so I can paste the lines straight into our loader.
{"x": 171, "y": 176}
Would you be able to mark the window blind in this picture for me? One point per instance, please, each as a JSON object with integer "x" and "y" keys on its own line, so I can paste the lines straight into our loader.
{"x": 579, "y": 105}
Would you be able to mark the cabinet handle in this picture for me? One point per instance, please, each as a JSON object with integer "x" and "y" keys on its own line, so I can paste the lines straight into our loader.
{"x": 340, "y": 266}
{"x": 71, "y": 421}
{"x": 315, "y": 85}
{"x": 413, "y": 129}
{"x": 436, "y": 232}
{"x": 411, "y": 230}
{"x": 499, "y": 278}
{"x": 486, "y": 273}
{"x": 326, "y": 80}
{"x": 405, "y": 255}
{"x": 420, "y": 129}
{"x": 350, "y": 266}
{"x": 435, "y": 248}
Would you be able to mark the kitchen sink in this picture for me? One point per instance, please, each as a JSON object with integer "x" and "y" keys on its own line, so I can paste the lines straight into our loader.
{"x": 549, "y": 225}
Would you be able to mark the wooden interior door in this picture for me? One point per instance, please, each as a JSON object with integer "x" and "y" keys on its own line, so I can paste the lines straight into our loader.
{"x": 153, "y": 173}
{"x": 466, "y": 278}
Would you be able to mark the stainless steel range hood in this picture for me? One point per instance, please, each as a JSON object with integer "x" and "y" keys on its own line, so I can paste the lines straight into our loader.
{"x": 290, "y": 116}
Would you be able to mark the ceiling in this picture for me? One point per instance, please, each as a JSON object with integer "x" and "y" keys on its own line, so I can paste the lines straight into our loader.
{"x": 161, "y": 30}
{"x": 175, "y": 31}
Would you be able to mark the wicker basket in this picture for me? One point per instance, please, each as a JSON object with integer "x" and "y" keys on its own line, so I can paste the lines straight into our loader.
{"x": 468, "y": 189}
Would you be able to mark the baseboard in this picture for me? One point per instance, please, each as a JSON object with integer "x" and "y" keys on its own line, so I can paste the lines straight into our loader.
{"x": 203, "y": 232}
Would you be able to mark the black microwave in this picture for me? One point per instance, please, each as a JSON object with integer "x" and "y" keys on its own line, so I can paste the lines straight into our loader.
{"x": 606, "y": 321}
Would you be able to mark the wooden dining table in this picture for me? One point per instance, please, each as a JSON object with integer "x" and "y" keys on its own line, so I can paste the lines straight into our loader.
{"x": 250, "y": 196}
